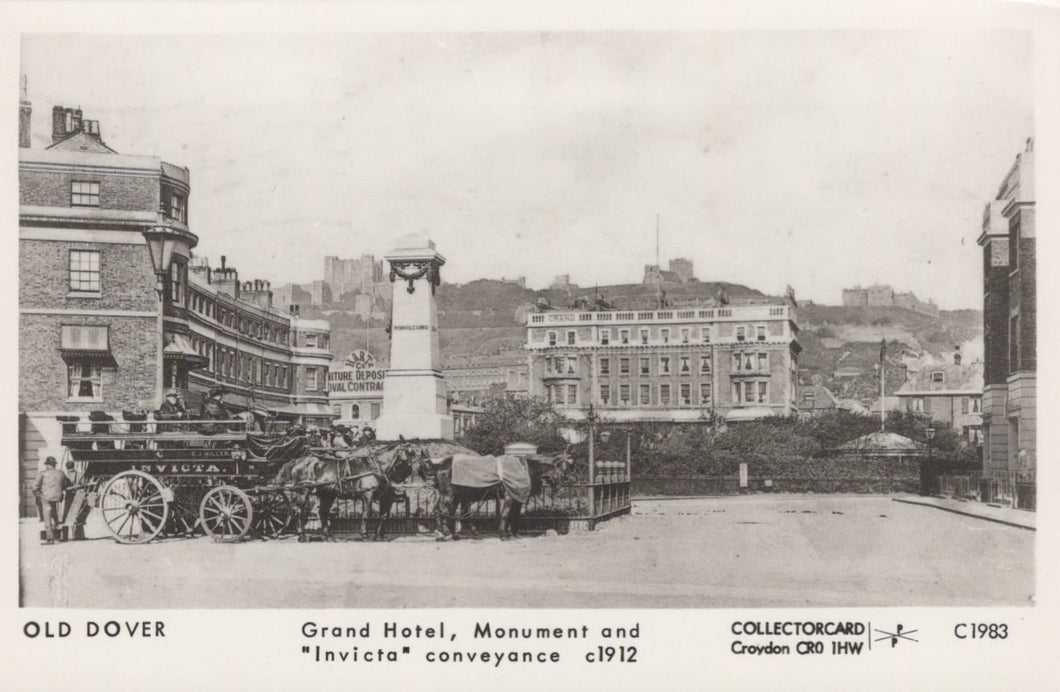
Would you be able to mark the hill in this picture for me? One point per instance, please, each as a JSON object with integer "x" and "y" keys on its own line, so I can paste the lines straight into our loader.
{"x": 840, "y": 344}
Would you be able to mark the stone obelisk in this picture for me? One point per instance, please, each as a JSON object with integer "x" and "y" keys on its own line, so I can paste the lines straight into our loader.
{"x": 414, "y": 395}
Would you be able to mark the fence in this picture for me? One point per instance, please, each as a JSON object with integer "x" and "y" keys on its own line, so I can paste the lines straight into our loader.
{"x": 563, "y": 508}
{"x": 730, "y": 485}
{"x": 994, "y": 489}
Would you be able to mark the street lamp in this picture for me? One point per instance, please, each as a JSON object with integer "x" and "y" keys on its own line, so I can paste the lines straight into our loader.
{"x": 162, "y": 242}
{"x": 929, "y": 433}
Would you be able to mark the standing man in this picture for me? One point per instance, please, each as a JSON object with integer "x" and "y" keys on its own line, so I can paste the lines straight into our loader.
{"x": 49, "y": 488}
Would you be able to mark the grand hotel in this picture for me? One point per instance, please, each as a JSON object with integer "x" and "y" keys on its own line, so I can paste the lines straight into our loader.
{"x": 731, "y": 363}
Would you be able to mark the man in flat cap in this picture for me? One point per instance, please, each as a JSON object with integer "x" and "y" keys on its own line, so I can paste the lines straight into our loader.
{"x": 49, "y": 489}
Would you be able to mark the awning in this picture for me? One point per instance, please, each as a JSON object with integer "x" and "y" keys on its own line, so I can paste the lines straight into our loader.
{"x": 738, "y": 415}
{"x": 304, "y": 410}
{"x": 85, "y": 340}
{"x": 179, "y": 348}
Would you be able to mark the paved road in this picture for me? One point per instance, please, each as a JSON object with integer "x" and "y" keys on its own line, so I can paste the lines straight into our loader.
{"x": 759, "y": 550}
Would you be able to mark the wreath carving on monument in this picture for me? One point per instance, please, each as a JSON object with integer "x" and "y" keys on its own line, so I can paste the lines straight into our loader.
{"x": 416, "y": 270}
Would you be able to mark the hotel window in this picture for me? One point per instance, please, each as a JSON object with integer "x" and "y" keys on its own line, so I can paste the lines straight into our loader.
{"x": 84, "y": 271}
{"x": 558, "y": 395}
{"x": 643, "y": 336}
{"x": 623, "y": 336}
{"x": 176, "y": 207}
{"x": 572, "y": 393}
{"x": 975, "y": 404}
{"x": 748, "y": 361}
{"x": 548, "y": 365}
{"x": 937, "y": 377}
{"x": 684, "y": 336}
{"x": 704, "y": 365}
{"x": 704, "y": 393}
{"x": 706, "y": 334}
{"x": 686, "y": 368}
{"x": 605, "y": 394}
{"x": 84, "y": 193}
{"x": 605, "y": 337}
{"x": 645, "y": 394}
{"x": 736, "y": 393}
{"x": 686, "y": 394}
{"x": 572, "y": 365}
{"x": 666, "y": 336}
{"x": 623, "y": 394}
{"x": 760, "y": 333}
{"x": 763, "y": 363}
{"x": 552, "y": 338}
{"x": 177, "y": 273}
{"x": 311, "y": 340}
{"x": 570, "y": 338}
{"x": 623, "y": 366}
{"x": 664, "y": 394}
{"x": 605, "y": 366}
{"x": 918, "y": 404}
{"x": 749, "y": 392}
{"x": 664, "y": 365}
{"x": 85, "y": 380}
{"x": 763, "y": 389}
{"x": 741, "y": 333}
{"x": 645, "y": 366}
{"x": 737, "y": 360}
{"x": 310, "y": 379}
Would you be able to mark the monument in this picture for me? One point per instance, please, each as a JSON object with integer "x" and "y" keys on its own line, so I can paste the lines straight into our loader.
{"x": 414, "y": 395}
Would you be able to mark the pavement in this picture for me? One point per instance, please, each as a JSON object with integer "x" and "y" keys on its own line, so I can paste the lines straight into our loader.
{"x": 1019, "y": 518}
{"x": 742, "y": 551}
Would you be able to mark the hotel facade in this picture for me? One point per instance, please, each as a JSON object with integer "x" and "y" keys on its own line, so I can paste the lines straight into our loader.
{"x": 727, "y": 363}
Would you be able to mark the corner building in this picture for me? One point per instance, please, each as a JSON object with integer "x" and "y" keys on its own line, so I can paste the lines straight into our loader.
{"x": 1010, "y": 326}
{"x": 91, "y": 325}
{"x": 732, "y": 363}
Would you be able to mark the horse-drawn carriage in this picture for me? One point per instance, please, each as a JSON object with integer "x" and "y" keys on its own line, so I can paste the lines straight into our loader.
{"x": 153, "y": 478}
{"x": 149, "y": 478}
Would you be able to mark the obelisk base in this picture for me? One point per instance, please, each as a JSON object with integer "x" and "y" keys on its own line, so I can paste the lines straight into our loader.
{"x": 414, "y": 407}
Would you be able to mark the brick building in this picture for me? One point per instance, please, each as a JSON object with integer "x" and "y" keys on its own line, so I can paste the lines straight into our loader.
{"x": 734, "y": 362}
{"x": 89, "y": 314}
{"x": 262, "y": 356}
{"x": 1010, "y": 325}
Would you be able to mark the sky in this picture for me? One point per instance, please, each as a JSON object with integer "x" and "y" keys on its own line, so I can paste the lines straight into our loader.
{"x": 822, "y": 160}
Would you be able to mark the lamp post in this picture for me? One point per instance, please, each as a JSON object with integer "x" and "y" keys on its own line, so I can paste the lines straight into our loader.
{"x": 929, "y": 433}
{"x": 162, "y": 241}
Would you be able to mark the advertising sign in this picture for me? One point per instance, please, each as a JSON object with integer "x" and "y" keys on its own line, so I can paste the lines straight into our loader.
{"x": 357, "y": 374}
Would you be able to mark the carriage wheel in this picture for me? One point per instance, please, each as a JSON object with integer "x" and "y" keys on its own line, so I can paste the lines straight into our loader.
{"x": 135, "y": 506}
{"x": 272, "y": 514}
{"x": 226, "y": 513}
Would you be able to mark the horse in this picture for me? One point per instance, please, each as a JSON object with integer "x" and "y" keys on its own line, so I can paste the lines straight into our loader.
{"x": 541, "y": 470}
{"x": 366, "y": 474}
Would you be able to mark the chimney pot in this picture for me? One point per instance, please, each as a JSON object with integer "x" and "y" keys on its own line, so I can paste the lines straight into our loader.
{"x": 222, "y": 261}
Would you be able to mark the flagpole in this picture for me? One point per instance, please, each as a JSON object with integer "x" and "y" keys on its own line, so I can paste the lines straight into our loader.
{"x": 883, "y": 396}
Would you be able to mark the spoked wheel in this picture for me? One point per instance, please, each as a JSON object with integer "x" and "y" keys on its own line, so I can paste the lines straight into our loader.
{"x": 135, "y": 506}
{"x": 272, "y": 514}
{"x": 226, "y": 513}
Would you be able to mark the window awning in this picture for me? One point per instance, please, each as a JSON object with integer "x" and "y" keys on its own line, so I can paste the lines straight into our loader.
{"x": 745, "y": 414}
{"x": 85, "y": 340}
{"x": 179, "y": 348}
{"x": 304, "y": 410}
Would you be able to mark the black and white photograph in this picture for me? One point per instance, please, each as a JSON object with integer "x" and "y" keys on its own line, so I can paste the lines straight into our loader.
{"x": 510, "y": 321}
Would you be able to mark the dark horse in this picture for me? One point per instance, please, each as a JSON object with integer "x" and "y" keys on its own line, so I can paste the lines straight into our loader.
{"x": 541, "y": 469}
{"x": 368, "y": 474}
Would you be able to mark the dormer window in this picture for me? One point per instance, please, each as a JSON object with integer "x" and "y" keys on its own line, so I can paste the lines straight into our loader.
{"x": 937, "y": 377}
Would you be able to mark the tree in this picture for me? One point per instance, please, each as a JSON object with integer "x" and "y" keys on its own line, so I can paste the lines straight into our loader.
{"x": 508, "y": 419}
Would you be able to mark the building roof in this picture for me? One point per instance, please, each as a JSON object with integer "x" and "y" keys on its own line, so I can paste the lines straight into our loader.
{"x": 882, "y": 444}
{"x": 956, "y": 379}
{"x": 82, "y": 141}
{"x": 821, "y": 398}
